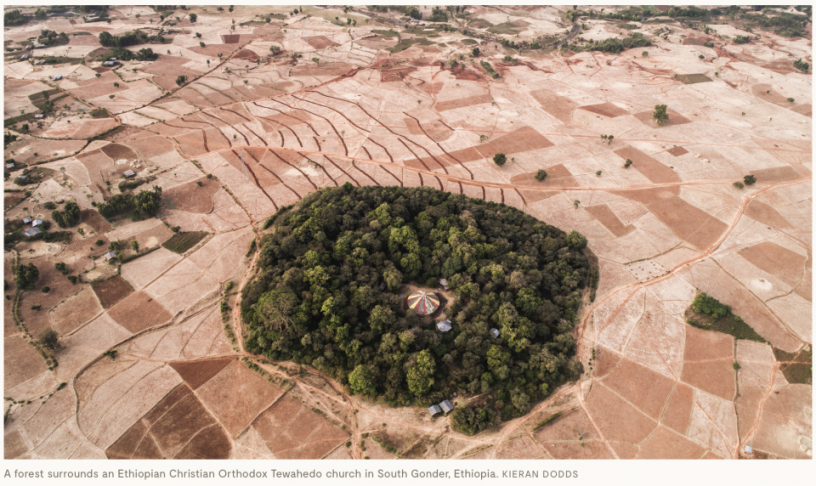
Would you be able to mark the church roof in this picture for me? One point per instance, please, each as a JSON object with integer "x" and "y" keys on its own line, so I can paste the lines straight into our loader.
{"x": 423, "y": 303}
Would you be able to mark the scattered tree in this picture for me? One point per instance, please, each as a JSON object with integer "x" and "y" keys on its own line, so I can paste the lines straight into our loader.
{"x": 499, "y": 159}
{"x": 540, "y": 174}
{"x": 739, "y": 184}
{"x": 49, "y": 339}
{"x": 749, "y": 180}
{"x": 660, "y": 116}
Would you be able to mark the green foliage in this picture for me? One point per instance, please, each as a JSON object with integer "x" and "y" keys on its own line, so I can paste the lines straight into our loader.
{"x": 576, "y": 241}
{"x": 540, "y": 175}
{"x": 62, "y": 268}
{"x": 660, "y": 116}
{"x": 68, "y": 217}
{"x": 181, "y": 79}
{"x": 438, "y": 15}
{"x": 317, "y": 298}
{"x": 499, "y": 159}
{"x": 749, "y": 180}
{"x": 25, "y": 276}
{"x": 45, "y": 289}
{"x": 471, "y": 421}
{"x": 547, "y": 420}
{"x": 704, "y": 304}
{"x": 133, "y": 38}
{"x": 739, "y": 184}
{"x": 615, "y": 45}
{"x": 49, "y": 339}
{"x": 51, "y": 38}
{"x": 194, "y": 17}
{"x": 144, "y": 205}
{"x": 14, "y": 17}
{"x": 801, "y": 65}
{"x": 183, "y": 241}
{"x": 742, "y": 39}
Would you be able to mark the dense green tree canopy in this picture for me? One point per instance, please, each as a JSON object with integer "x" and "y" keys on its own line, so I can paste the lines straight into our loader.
{"x": 328, "y": 295}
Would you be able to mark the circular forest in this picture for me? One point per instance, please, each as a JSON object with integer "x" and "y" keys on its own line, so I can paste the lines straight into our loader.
{"x": 337, "y": 270}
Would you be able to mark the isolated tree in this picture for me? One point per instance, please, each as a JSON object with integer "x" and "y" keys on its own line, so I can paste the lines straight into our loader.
{"x": 49, "y": 339}
{"x": 660, "y": 116}
{"x": 181, "y": 79}
{"x": 193, "y": 18}
{"x": 540, "y": 175}
{"x": 26, "y": 276}
{"x": 749, "y": 180}
{"x": 499, "y": 159}
{"x": 739, "y": 185}
{"x": 476, "y": 52}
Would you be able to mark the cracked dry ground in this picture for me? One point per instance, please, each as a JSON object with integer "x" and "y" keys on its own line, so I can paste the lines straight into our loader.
{"x": 667, "y": 227}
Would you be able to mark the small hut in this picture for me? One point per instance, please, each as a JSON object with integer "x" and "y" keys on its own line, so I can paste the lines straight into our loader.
{"x": 444, "y": 326}
{"x": 33, "y": 232}
{"x": 434, "y": 409}
{"x": 446, "y": 406}
{"x": 494, "y": 332}
{"x": 110, "y": 255}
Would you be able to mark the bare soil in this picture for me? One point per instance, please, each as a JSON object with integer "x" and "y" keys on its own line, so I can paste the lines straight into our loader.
{"x": 111, "y": 291}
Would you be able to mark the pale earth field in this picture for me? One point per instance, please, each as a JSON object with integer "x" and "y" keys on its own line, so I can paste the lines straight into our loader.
{"x": 662, "y": 229}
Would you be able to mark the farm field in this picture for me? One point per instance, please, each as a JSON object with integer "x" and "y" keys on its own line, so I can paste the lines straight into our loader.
{"x": 240, "y": 113}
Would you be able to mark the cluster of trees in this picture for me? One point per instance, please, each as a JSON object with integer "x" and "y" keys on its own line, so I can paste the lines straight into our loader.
{"x": 26, "y": 276}
{"x": 318, "y": 297}
{"x": 143, "y": 54}
{"x": 782, "y": 23}
{"x": 15, "y": 17}
{"x": 51, "y": 38}
{"x": 742, "y": 39}
{"x": 616, "y": 46}
{"x": 687, "y": 12}
{"x": 801, "y": 65}
{"x": 132, "y": 38}
{"x": 438, "y": 15}
{"x": 412, "y": 12}
{"x": 68, "y": 217}
{"x": 144, "y": 205}
{"x": 704, "y": 304}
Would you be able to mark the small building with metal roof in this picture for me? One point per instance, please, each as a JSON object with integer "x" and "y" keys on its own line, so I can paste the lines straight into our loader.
{"x": 494, "y": 332}
{"x": 25, "y": 56}
{"x": 36, "y": 222}
{"x": 33, "y": 232}
{"x": 434, "y": 409}
{"x": 444, "y": 326}
{"x": 26, "y": 220}
{"x": 129, "y": 174}
{"x": 109, "y": 63}
{"x": 39, "y": 116}
{"x": 110, "y": 255}
{"x": 446, "y": 406}
{"x": 57, "y": 77}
